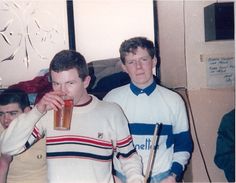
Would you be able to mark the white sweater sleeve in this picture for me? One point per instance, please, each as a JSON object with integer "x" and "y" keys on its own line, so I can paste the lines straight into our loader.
{"x": 130, "y": 161}
{"x": 132, "y": 167}
{"x": 14, "y": 138}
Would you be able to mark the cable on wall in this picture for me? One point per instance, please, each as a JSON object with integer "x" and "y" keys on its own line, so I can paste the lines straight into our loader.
{"x": 196, "y": 135}
{"x": 188, "y": 101}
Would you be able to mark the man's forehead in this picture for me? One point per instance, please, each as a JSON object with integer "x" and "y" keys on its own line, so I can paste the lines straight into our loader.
{"x": 10, "y": 107}
{"x": 65, "y": 76}
{"x": 138, "y": 50}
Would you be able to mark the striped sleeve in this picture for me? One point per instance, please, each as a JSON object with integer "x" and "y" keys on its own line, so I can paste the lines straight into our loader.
{"x": 18, "y": 136}
{"x": 130, "y": 161}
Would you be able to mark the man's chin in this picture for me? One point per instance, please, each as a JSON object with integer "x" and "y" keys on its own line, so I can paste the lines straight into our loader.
{"x": 5, "y": 126}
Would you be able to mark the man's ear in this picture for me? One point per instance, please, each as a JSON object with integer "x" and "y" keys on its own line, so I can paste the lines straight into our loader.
{"x": 124, "y": 68}
{"x": 86, "y": 81}
{"x": 27, "y": 109}
{"x": 154, "y": 62}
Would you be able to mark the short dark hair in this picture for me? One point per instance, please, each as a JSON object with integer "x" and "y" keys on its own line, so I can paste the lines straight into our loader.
{"x": 69, "y": 59}
{"x": 132, "y": 44}
{"x": 18, "y": 96}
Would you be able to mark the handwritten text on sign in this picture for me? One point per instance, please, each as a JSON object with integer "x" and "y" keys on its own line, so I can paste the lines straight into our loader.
{"x": 220, "y": 71}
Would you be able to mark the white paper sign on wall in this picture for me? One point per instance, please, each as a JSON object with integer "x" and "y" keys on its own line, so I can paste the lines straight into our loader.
{"x": 220, "y": 70}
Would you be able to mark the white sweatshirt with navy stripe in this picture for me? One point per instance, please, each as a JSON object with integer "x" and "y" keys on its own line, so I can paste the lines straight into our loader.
{"x": 84, "y": 153}
{"x": 145, "y": 108}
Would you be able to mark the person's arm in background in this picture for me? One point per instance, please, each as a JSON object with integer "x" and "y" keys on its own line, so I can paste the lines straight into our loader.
{"x": 5, "y": 161}
{"x": 225, "y": 149}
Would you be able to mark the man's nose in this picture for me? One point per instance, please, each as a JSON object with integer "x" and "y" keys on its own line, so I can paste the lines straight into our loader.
{"x": 138, "y": 63}
{"x": 63, "y": 88}
{"x": 6, "y": 117}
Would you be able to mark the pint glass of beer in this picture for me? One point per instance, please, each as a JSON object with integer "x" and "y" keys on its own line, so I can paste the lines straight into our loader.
{"x": 62, "y": 117}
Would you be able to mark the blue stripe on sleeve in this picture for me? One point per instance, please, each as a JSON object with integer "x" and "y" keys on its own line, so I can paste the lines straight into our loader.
{"x": 183, "y": 142}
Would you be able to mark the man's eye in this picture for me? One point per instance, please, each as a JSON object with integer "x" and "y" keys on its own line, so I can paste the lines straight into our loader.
{"x": 13, "y": 113}
{"x": 130, "y": 62}
{"x": 1, "y": 114}
{"x": 145, "y": 59}
{"x": 70, "y": 83}
{"x": 55, "y": 84}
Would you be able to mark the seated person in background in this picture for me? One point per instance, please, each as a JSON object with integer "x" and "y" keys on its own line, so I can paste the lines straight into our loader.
{"x": 146, "y": 103}
{"x": 30, "y": 166}
{"x": 225, "y": 146}
{"x": 110, "y": 82}
{"x": 84, "y": 153}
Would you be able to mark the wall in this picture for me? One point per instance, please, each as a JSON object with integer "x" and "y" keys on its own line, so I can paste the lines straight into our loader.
{"x": 100, "y": 27}
{"x": 182, "y": 46}
{"x": 30, "y": 35}
{"x": 171, "y": 38}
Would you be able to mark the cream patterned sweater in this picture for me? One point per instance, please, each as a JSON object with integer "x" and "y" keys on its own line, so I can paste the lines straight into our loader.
{"x": 84, "y": 153}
